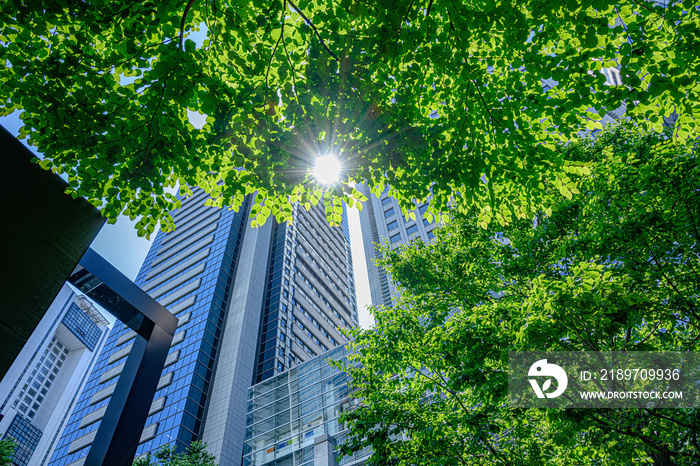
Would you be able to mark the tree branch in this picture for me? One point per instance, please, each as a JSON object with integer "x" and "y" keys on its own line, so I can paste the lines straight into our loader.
{"x": 272, "y": 55}
{"x": 656, "y": 13}
{"x": 692, "y": 218}
{"x": 430, "y": 5}
{"x": 291, "y": 68}
{"x": 308, "y": 21}
{"x": 184, "y": 18}
{"x": 493, "y": 120}
{"x": 650, "y": 333}
{"x": 445, "y": 385}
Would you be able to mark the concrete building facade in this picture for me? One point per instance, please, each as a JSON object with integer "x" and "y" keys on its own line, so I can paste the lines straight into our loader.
{"x": 40, "y": 388}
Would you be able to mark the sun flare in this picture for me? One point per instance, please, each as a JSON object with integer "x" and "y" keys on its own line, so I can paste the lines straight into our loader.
{"x": 327, "y": 169}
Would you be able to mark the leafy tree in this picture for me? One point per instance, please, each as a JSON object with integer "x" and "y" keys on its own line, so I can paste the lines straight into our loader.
{"x": 432, "y": 97}
{"x": 7, "y": 450}
{"x": 195, "y": 455}
{"x": 616, "y": 268}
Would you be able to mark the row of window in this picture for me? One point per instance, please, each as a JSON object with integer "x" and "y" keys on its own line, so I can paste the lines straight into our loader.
{"x": 389, "y": 212}
{"x": 315, "y": 323}
{"x": 320, "y": 312}
{"x": 27, "y": 438}
{"x": 410, "y": 229}
{"x": 323, "y": 272}
{"x": 328, "y": 230}
{"x": 292, "y": 358}
{"x": 48, "y": 366}
{"x": 301, "y": 343}
{"x": 313, "y": 288}
{"x": 301, "y": 325}
{"x": 312, "y": 239}
{"x": 303, "y": 328}
{"x": 313, "y": 274}
{"x": 328, "y": 244}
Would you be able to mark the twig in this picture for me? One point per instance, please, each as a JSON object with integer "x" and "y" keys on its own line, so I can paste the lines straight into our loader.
{"x": 291, "y": 66}
{"x": 272, "y": 55}
{"x": 655, "y": 12}
{"x": 427, "y": 26}
{"x": 184, "y": 18}
{"x": 493, "y": 120}
{"x": 405, "y": 19}
{"x": 650, "y": 333}
{"x": 308, "y": 21}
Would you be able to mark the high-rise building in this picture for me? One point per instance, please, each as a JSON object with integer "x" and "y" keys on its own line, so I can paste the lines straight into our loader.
{"x": 382, "y": 223}
{"x": 251, "y": 302}
{"x": 40, "y": 388}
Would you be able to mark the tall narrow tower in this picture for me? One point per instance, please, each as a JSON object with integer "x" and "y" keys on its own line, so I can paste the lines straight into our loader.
{"x": 39, "y": 390}
{"x": 251, "y": 302}
{"x": 382, "y": 223}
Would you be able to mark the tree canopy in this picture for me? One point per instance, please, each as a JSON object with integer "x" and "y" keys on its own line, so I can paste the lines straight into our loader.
{"x": 7, "y": 451}
{"x": 616, "y": 268}
{"x": 434, "y": 98}
{"x": 195, "y": 455}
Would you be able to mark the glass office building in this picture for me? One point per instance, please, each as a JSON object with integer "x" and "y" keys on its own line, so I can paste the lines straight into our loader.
{"x": 292, "y": 418}
{"x": 189, "y": 272}
{"x": 235, "y": 291}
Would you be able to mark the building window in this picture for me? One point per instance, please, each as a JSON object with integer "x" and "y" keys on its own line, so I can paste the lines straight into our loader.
{"x": 392, "y": 225}
{"x": 27, "y": 438}
{"x": 82, "y": 327}
{"x": 422, "y": 209}
{"x": 389, "y": 213}
{"x": 386, "y": 201}
{"x": 396, "y": 238}
{"x": 431, "y": 235}
{"x": 612, "y": 76}
{"x": 411, "y": 229}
